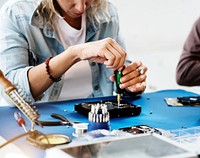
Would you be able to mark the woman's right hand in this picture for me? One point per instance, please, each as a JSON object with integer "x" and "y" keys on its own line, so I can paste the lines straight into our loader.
{"x": 106, "y": 51}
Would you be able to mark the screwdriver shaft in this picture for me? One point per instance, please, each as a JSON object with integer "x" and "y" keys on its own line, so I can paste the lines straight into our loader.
{"x": 24, "y": 128}
{"x": 118, "y": 100}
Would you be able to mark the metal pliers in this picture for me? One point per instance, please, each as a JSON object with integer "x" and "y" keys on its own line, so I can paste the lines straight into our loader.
{"x": 64, "y": 121}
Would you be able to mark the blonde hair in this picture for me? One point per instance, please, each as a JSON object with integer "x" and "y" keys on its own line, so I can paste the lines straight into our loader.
{"x": 95, "y": 13}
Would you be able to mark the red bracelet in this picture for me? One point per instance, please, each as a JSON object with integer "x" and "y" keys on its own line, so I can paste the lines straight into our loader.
{"x": 48, "y": 71}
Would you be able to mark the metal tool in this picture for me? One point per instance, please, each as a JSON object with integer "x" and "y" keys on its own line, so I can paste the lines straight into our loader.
{"x": 64, "y": 121}
{"x": 34, "y": 137}
{"x": 99, "y": 113}
{"x": 11, "y": 91}
{"x": 20, "y": 120}
{"x": 184, "y": 101}
{"x": 118, "y": 75}
{"x": 99, "y": 117}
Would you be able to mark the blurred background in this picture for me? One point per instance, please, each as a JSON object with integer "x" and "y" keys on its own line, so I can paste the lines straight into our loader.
{"x": 155, "y": 31}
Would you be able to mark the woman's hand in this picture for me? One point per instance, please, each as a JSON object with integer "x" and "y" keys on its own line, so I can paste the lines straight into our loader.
{"x": 134, "y": 77}
{"x": 106, "y": 51}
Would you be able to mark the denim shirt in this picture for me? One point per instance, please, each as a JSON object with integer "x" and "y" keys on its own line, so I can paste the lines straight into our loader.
{"x": 26, "y": 40}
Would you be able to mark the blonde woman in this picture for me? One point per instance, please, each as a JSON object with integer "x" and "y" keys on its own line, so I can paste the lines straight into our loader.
{"x": 65, "y": 49}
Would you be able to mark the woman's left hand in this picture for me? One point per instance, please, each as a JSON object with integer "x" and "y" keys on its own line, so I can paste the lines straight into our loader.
{"x": 134, "y": 77}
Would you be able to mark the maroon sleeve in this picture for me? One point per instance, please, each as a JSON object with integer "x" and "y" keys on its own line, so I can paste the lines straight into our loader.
{"x": 188, "y": 68}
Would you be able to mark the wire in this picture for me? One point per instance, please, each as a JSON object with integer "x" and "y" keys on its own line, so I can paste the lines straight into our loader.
{"x": 13, "y": 139}
{"x": 32, "y": 139}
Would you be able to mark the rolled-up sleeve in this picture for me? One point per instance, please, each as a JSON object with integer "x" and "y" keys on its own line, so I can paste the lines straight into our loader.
{"x": 14, "y": 56}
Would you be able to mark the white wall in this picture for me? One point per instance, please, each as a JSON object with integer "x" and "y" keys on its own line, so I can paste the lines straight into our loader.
{"x": 2, "y": 2}
{"x": 150, "y": 25}
{"x": 155, "y": 31}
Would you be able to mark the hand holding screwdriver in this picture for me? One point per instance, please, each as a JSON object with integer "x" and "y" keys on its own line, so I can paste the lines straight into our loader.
{"x": 20, "y": 120}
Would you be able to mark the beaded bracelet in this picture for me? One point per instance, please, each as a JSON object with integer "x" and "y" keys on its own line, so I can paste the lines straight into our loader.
{"x": 48, "y": 71}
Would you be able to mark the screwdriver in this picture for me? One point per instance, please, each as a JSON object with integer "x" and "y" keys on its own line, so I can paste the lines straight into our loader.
{"x": 118, "y": 75}
{"x": 20, "y": 120}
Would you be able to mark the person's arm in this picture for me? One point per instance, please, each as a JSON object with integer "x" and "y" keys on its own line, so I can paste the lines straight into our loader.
{"x": 39, "y": 80}
{"x": 105, "y": 51}
{"x": 187, "y": 71}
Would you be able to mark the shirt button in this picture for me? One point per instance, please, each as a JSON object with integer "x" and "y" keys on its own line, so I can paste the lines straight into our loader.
{"x": 96, "y": 87}
{"x": 93, "y": 64}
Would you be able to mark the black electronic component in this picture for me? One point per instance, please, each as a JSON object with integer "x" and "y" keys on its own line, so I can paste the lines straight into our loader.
{"x": 125, "y": 109}
{"x": 141, "y": 129}
{"x": 189, "y": 100}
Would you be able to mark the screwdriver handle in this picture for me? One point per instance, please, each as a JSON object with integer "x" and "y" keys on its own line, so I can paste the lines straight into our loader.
{"x": 118, "y": 75}
{"x": 19, "y": 119}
